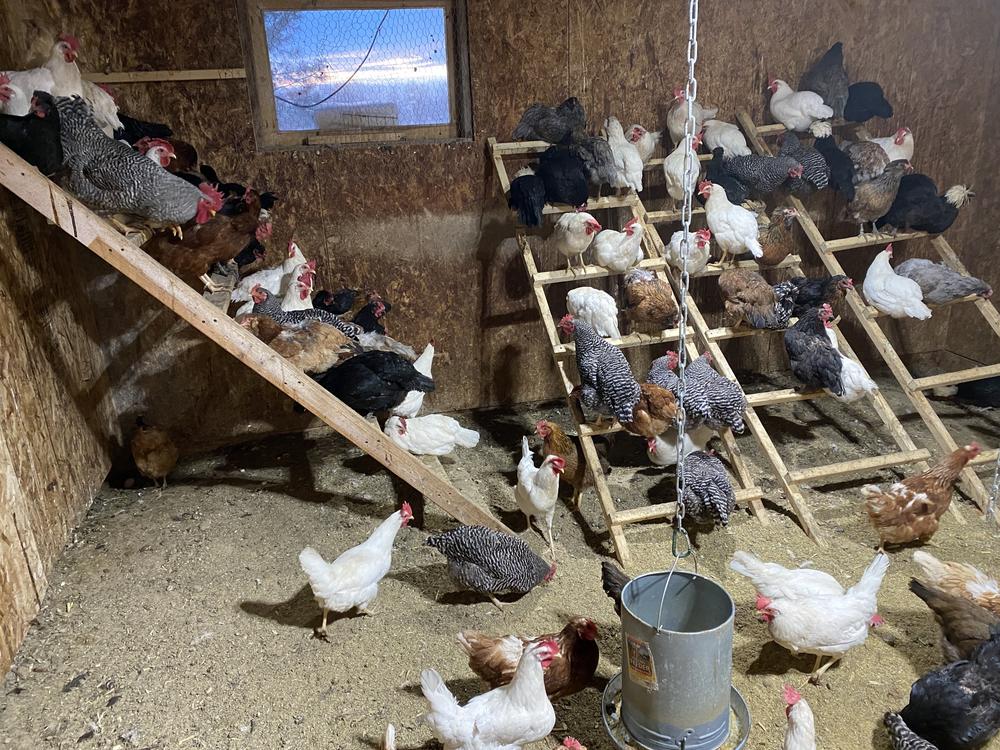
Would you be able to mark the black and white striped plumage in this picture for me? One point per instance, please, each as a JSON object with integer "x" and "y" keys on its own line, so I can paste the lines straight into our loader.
{"x": 295, "y": 318}
{"x": 815, "y": 171}
{"x": 708, "y": 493}
{"x": 901, "y": 736}
{"x": 604, "y": 368}
{"x": 696, "y": 403}
{"x": 813, "y": 359}
{"x": 726, "y": 401}
{"x": 491, "y": 562}
{"x": 763, "y": 174}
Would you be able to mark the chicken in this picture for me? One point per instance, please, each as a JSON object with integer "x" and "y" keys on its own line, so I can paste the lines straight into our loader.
{"x": 596, "y": 155}
{"x": 571, "y": 743}
{"x": 542, "y": 123}
{"x": 662, "y": 449}
{"x": 800, "y": 734}
{"x": 874, "y": 197}
{"x": 595, "y": 307}
{"x": 156, "y": 150}
{"x": 537, "y": 489}
{"x": 314, "y": 347}
{"x": 564, "y": 176}
{"x": 866, "y": 100}
{"x": 813, "y": 359}
{"x": 613, "y": 580}
{"x": 134, "y": 130}
{"x": 957, "y": 707}
{"x": 796, "y": 110}
{"x": 267, "y": 330}
{"x": 371, "y": 316}
{"x": 749, "y": 299}
{"x": 709, "y": 399}
{"x": 527, "y": 197}
{"x": 763, "y": 174}
{"x": 817, "y": 291}
{"x": 911, "y": 510}
{"x": 840, "y": 165}
{"x": 14, "y": 100}
{"x": 939, "y": 284}
{"x": 374, "y": 381}
{"x": 265, "y": 303}
{"x": 644, "y": 141}
{"x": 960, "y": 579}
{"x": 431, "y": 435}
{"x": 708, "y": 493}
{"x": 411, "y": 405}
{"x": 901, "y": 737}
{"x": 899, "y": 145}
{"x": 388, "y": 741}
{"x": 34, "y": 136}
{"x": 733, "y": 227}
{"x": 155, "y": 454}
{"x": 918, "y": 206}
{"x": 869, "y": 159}
{"x": 298, "y": 296}
{"x": 619, "y": 251}
{"x": 677, "y": 115}
{"x": 776, "y": 582}
{"x": 856, "y": 382}
{"x": 654, "y": 412}
{"x": 725, "y": 135}
{"x": 825, "y": 624}
{"x": 715, "y": 172}
{"x": 964, "y": 624}
{"x": 628, "y": 162}
{"x": 555, "y": 442}
{"x": 984, "y": 393}
{"x": 895, "y": 295}
{"x": 506, "y": 718}
{"x": 495, "y": 658}
{"x": 649, "y": 301}
{"x": 491, "y": 562}
{"x": 572, "y": 235}
{"x": 351, "y": 581}
{"x": 109, "y": 175}
{"x": 815, "y": 171}
{"x": 699, "y": 250}
{"x": 337, "y": 303}
{"x": 777, "y": 240}
{"x": 275, "y": 280}
{"x": 673, "y": 169}
{"x": 828, "y": 78}
{"x": 604, "y": 372}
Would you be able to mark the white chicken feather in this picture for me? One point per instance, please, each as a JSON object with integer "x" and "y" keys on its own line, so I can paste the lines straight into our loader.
{"x": 430, "y": 435}
{"x": 728, "y": 137}
{"x": 852, "y": 375}
{"x": 800, "y": 734}
{"x": 298, "y": 295}
{"x": 673, "y": 168}
{"x": 572, "y": 235}
{"x": 628, "y": 162}
{"x": 414, "y": 400}
{"x": 537, "y": 489}
{"x": 619, "y": 251}
{"x": 275, "y": 280}
{"x": 796, "y": 110}
{"x": 662, "y": 449}
{"x": 699, "y": 250}
{"x": 775, "y": 581}
{"x": 595, "y": 307}
{"x": 895, "y": 295}
{"x": 899, "y": 145}
{"x": 734, "y": 228}
{"x": 677, "y": 115}
{"x": 644, "y": 140}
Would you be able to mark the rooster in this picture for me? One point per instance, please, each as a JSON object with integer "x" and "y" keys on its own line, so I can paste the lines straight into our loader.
{"x": 891, "y": 293}
{"x": 897, "y": 146}
{"x": 495, "y": 658}
{"x": 800, "y": 734}
{"x": 552, "y": 124}
{"x": 725, "y": 135}
{"x": 678, "y": 113}
{"x": 595, "y": 307}
{"x": 605, "y": 375}
{"x": 673, "y": 169}
{"x": 796, "y": 110}
{"x": 649, "y": 301}
{"x": 619, "y": 251}
{"x": 572, "y": 235}
{"x": 960, "y": 579}
{"x": 645, "y": 141}
{"x": 828, "y": 78}
{"x": 813, "y": 359}
{"x": 699, "y": 250}
{"x": 555, "y": 442}
{"x": 414, "y": 400}
{"x": 873, "y": 198}
{"x": 964, "y": 624}
{"x": 430, "y": 435}
{"x": 628, "y": 162}
{"x": 537, "y": 489}
{"x": 351, "y": 581}
{"x": 733, "y": 227}
{"x": 918, "y": 206}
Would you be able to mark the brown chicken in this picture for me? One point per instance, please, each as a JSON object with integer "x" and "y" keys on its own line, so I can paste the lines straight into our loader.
{"x": 959, "y": 579}
{"x": 494, "y": 658}
{"x": 964, "y": 624}
{"x": 314, "y": 348}
{"x": 653, "y": 413}
{"x": 869, "y": 159}
{"x": 911, "y": 510}
{"x": 776, "y": 238}
{"x": 154, "y": 452}
{"x": 263, "y": 327}
{"x": 649, "y": 302}
{"x": 749, "y": 299}
{"x": 873, "y": 198}
{"x": 555, "y": 442}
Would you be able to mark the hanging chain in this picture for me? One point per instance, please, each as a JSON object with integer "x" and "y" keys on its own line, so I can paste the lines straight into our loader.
{"x": 991, "y": 506}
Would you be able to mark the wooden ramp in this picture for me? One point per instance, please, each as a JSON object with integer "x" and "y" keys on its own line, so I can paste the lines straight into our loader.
{"x": 76, "y": 220}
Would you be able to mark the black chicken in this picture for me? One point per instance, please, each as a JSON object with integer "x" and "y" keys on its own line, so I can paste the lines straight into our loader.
{"x": 374, "y": 381}
{"x": 596, "y": 155}
{"x": 134, "y": 130}
{"x": 840, "y": 164}
{"x": 813, "y": 359}
{"x": 984, "y": 393}
{"x": 762, "y": 174}
{"x": 829, "y": 79}
{"x": 564, "y": 175}
{"x": 918, "y": 206}
{"x": 337, "y": 303}
{"x": 957, "y": 707}
{"x": 815, "y": 292}
{"x": 370, "y": 316}
{"x": 866, "y": 100}
{"x": 527, "y": 197}
{"x": 542, "y": 123}
{"x": 613, "y": 580}
{"x": 35, "y": 136}
{"x": 715, "y": 172}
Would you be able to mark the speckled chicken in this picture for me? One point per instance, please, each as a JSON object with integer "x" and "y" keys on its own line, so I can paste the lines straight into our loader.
{"x": 817, "y": 291}
{"x": 265, "y": 303}
{"x": 815, "y": 171}
{"x": 963, "y": 623}
{"x": 543, "y": 123}
{"x": 828, "y": 78}
{"x": 814, "y": 361}
{"x": 869, "y": 159}
{"x": 491, "y": 562}
{"x": 918, "y": 206}
{"x": 901, "y": 737}
{"x": 603, "y": 368}
{"x": 749, "y": 299}
{"x": 708, "y": 493}
{"x": 873, "y": 198}
{"x": 939, "y": 283}
{"x": 960, "y": 579}
{"x": 763, "y": 174}
{"x": 776, "y": 236}
{"x": 649, "y": 301}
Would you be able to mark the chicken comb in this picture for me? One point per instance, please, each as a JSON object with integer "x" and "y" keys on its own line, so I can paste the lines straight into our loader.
{"x": 4, "y": 79}
{"x": 406, "y": 510}
{"x": 106, "y": 89}
{"x": 888, "y": 249}
{"x": 213, "y": 195}
{"x": 762, "y": 602}
{"x": 72, "y": 41}
{"x": 571, "y": 743}
{"x": 791, "y": 695}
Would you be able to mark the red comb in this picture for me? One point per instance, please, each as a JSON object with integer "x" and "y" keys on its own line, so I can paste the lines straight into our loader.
{"x": 4, "y": 79}
{"x": 71, "y": 40}
{"x": 792, "y": 696}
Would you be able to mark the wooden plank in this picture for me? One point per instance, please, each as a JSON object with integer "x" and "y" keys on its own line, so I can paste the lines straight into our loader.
{"x": 715, "y": 269}
{"x": 585, "y": 273}
{"x": 593, "y": 204}
{"x": 79, "y": 222}
{"x": 859, "y": 465}
{"x": 783, "y": 396}
{"x": 657, "y": 163}
{"x": 154, "y": 76}
{"x": 986, "y": 457}
{"x": 669, "y": 217}
{"x": 954, "y": 378}
{"x": 499, "y": 166}
{"x": 723, "y": 333}
{"x": 628, "y": 341}
{"x": 876, "y": 313}
{"x": 852, "y": 243}
{"x": 647, "y": 513}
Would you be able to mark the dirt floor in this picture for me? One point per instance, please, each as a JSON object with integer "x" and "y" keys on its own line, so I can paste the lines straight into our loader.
{"x": 183, "y": 620}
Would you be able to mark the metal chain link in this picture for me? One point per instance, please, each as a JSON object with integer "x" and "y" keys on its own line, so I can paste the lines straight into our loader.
{"x": 991, "y": 506}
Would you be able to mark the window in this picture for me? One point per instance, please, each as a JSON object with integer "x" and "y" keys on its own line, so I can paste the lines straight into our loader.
{"x": 332, "y": 72}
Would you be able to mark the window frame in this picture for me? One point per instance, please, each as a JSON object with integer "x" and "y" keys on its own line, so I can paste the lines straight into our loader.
{"x": 260, "y": 85}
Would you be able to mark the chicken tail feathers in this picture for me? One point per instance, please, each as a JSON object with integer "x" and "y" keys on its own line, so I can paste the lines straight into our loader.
{"x": 312, "y": 562}
{"x": 871, "y": 579}
{"x": 437, "y": 693}
{"x": 613, "y": 580}
{"x": 754, "y": 247}
{"x": 525, "y": 449}
{"x": 422, "y": 383}
{"x": 467, "y": 438}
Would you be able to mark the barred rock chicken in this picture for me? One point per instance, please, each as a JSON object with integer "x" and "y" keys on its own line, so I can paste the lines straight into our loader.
{"x": 374, "y": 381}
{"x": 430, "y": 435}
{"x": 673, "y": 169}
{"x": 619, "y": 251}
{"x": 828, "y": 78}
{"x": 313, "y": 348}
{"x": 414, "y": 400}
{"x": 654, "y": 412}
{"x": 109, "y": 175}
{"x": 709, "y": 399}
{"x": 495, "y": 658}
{"x": 800, "y": 734}
{"x": 901, "y": 737}
{"x": 733, "y": 227}
{"x": 491, "y": 562}
{"x": 874, "y": 197}
{"x": 957, "y": 707}
{"x": 596, "y": 155}
{"x": 537, "y": 489}
{"x": 895, "y": 295}
{"x": 853, "y": 377}
{"x": 605, "y": 374}
{"x": 708, "y": 493}
{"x": 662, "y": 449}
{"x": 899, "y": 145}
{"x": 869, "y": 159}
{"x": 964, "y": 624}
{"x": 351, "y": 580}
{"x": 749, "y": 299}
{"x": 555, "y": 442}
{"x": 777, "y": 240}
{"x": 763, "y": 174}
{"x": 649, "y": 301}
{"x": 814, "y": 361}
{"x": 542, "y": 123}
{"x": 572, "y": 235}
{"x": 939, "y": 284}
{"x": 34, "y": 136}
{"x": 840, "y": 164}
{"x": 715, "y": 172}
{"x": 677, "y": 115}
{"x": 815, "y": 171}
{"x": 699, "y": 250}
{"x": 628, "y": 162}
{"x": 506, "y": 718}
{"x": 866, "y": 100}
{"x": 595, "y": 307}
{"x": 960, "y": 579}
{"x": 265, "y": 303}
{"x": 796, "y": 110}
{"x": 911, "y": 510}
{"x": 275, "y": 279}
{"x": 564, "y": 176}
{"x": 153, "y": 451}
{"x": 645, "y": 141}
{"x": 725, "y": 135}
{"x": 918, "y": 206}
{"x": 527, "y": 197}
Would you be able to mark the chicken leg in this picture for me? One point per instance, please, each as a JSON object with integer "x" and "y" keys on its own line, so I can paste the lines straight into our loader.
{"x": 496, "y": 602}
{"x": 817, "y": 673}
{"x": 552, "y": 546}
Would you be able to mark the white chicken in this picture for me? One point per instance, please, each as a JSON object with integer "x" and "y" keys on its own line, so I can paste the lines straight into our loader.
{"x": 895, "y": 295}
{"x": 275, "y": 280}
{"x": 734, "y": 228}
{"x": 852, "y": 375}
{"x": 506, "y": 718}
{"x": 796, "y": 110}
{"x": 800, "y": 734}
{"x": 13, "y": 101}
{"x": 774, "y": 581}
{"x": 662, "y": 449}
{"x": 298, "y": 296}
{"x": 572, "y": 235}
{"x": 897, "y": 146}
{"x": 725, "y": 135}
{"x": 699, "y": 250}
{"x": 352, "y": 579}
{"x": 673, "y": 168}
{"x": 414, "y": 400}
{"x": 619, "y": 251}
{"x": 537, "y": 490}
{"x": 678, "y": 115}
{"x": 645, "y": 141}
{"x": 430, "y": 435}
{"x": 628, "y": 162}
{"x": 825, "y": 625}
{"x": 25, "y": 82}
{"x": 595, "y": 307}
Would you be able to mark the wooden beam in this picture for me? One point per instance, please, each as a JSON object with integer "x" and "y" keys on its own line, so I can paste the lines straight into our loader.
{"x": 669, "y": 217}
{"x": 628, "y": 341}
{"x": 154, "y": 76}
{"x": 784, "y": 396}
{"x": 852, "y": 243}
{"x": 954, "y": 378}
{"x": 859, "y": 465}
{"x": 588, "y": 272}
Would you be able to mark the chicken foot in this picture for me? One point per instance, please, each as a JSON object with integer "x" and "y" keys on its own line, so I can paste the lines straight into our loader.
{"x": 818, "y": 670}
{"x": 496, "y": 602}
